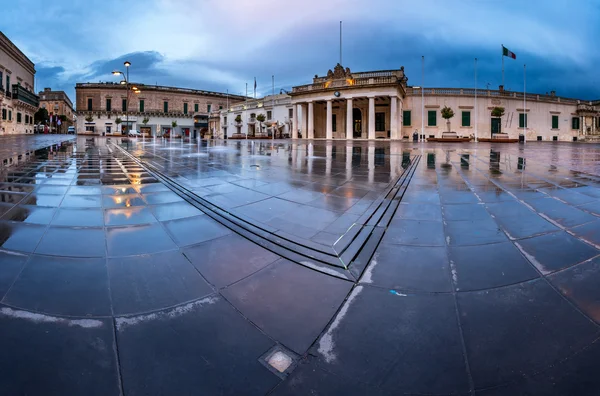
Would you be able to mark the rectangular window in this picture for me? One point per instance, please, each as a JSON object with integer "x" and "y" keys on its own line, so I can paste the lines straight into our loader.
{"x": 108, "y": 128}
{"x": 108, "y": 105}
{"x": 208, "y": 108}
{"x": 7, "y": 83}
{"x": 333, "y": 123}
{"x": 195, "y": 107}
{"x": 575, "y": 123}
{"x": 89, "y": 128}
{"x": 89, "y": 107}
{"x": 431, "y": 118}
{"x": 466, "y": 118}
{"x": 291, "y": 113}
{"x": 406, "y": 121}
{"x": 554, "y": 122}
{"x": 124, "y": 105}
{"x": 9, "y": 115}
{"x": 26, "y": 118}
{"x": 185, "y": 108}
{"x": 166, "y": 107}
{"x": 4, "y": 114}
{"x": 19, "y": 117}
{"x": 225, "y": 120}
{"x": 220, "y": 107}
{"x": 379, "y": 122}
{"x": 269, "y": 114}
{"x": 141, "y": 105}
{"x": 1, "y": 80}
{"x": 522, "y": 120}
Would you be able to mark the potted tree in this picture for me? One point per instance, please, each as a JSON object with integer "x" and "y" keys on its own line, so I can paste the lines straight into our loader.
{"x": 447, "y": 114}
{"x": 89, "y": 118}
{"x": 497, "y": 113}
{"x": 174, "y": 125}
{"x": 145, "y": 121}
{"x": 118, "y": 121}
{"x": 238, "y": 119}
{"x": 260, "y": 118}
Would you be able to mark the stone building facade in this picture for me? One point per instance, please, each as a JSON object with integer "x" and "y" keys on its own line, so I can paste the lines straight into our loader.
{"x": 18, "y": 102}
{"x": 58, "y": 103}
{"x": 241, "y": 120}
{"x": 380, "y": 105}
{"x": 153, "y": 111}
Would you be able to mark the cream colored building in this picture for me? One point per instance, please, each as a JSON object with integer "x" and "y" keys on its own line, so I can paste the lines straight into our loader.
{"x": 58, "y": 103}
{"x": 18, "y": 102}
{"x": 152, "y": 112}
{"x": 380, "y": 105}
{"x": 241, "y": 120}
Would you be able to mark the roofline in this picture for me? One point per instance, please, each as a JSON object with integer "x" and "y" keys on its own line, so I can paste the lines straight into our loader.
{"x": 19, "y": 52}
{"x": 159, "y": 87}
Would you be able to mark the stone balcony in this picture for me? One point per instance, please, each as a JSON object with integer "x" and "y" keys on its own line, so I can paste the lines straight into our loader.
{"x": 414, "y": 91}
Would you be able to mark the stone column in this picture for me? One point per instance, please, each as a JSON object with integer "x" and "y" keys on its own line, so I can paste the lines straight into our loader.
{"x": 371, "y": 129}
{"x": 394, "y": 117}
{"x": 349, "y": 126}
{"x": 294, "y": 133}
{"x": 303, "y": 121}
{"x": 329, "y": 122}
{"x": 311, "y": 121}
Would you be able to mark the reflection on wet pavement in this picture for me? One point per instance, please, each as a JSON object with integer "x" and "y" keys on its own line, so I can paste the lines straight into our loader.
{"x": 475, "y": 267}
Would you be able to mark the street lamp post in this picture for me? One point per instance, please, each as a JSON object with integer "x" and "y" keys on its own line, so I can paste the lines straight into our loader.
{"x": 126, "y": 83}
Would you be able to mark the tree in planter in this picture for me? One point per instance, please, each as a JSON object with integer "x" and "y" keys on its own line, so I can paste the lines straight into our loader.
{"x": 89, "y": 118}
{"x": 118, "y": 121}
{"x": 260, "y": 118}
{"x": 498, "y": 112}
{"x": 41, "y": 116}
{"x": 238, "y": 119}
{"x": 145, "y": 121}
{"x": 447, "y": 113}
{"x": 174, "y": 125}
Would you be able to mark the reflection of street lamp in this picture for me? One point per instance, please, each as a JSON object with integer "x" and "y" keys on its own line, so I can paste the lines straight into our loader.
{"x": 126, "y": 83}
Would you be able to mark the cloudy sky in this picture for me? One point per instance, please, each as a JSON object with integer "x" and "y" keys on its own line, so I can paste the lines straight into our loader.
{"x": 224, "y": 44}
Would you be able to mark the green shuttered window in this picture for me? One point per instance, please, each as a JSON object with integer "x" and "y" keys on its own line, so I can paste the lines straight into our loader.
{"x": 466, "y": 118}
{"x": 431, "y": 118}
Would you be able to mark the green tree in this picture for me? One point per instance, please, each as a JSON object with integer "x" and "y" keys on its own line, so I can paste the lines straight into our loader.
{"x": 447, "y": 113}
{"x": 238, "y": 118}
{"x": 89, "y": 118}
{"x": 260, "y": 118}
{"x": 41, "y": 116}
{"x": 498, "y": 112}
{"x": 174, "y": 125}
{"x": 118, "y": 121}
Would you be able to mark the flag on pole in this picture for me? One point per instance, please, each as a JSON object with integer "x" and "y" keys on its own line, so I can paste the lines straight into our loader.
{"x": 506, "y": 52}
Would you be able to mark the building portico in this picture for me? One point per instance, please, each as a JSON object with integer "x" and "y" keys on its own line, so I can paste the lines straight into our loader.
{"x": 345, "y": 105}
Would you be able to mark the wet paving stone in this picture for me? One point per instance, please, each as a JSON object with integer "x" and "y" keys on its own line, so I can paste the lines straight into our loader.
{"x": 415, "y": 233}
{"x": 87, "y": 363}
{"x": 416, "y": 268}
{"x": 128, "y": 216}
{"x": 11, "y": 265}
{"x": 30, "y": 214}
{"x": 62, "y": 241}
{"x": 81, "y": 201}
{"x": 72, "y": 217}
{"x": 589, "y": 232}
{"x": 526, "y": 328}
{"x": 395, "y": 331}
{"x": 152, "y": 282}
{"x": 477, "y": 232}
{"x": 580, "y": 285}
{"x": 562, "y": 213}
{"x": 134, "y": 240}
{"x": 488, "y": 266}
{"x": 195, "y": 230}
{"x": 556, "y": 251}
{"x": 276, "y": 300}
{"x": 223, "y": 265}
{"x": 62, "y": 286}
{"x": 20, "y": 236}
{"x": 208, "y": 337}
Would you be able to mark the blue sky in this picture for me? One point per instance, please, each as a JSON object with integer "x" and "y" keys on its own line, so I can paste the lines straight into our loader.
{"x": 220, "y": 45}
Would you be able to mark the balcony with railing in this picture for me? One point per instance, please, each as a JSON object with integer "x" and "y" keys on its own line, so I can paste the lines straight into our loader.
{"x": 21, "y": 94}
{"x": 358, "y": 80}
{"x": 414, "y": 91}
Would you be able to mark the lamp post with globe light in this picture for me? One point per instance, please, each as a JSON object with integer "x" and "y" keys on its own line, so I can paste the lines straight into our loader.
{"x": 125, "y": 82}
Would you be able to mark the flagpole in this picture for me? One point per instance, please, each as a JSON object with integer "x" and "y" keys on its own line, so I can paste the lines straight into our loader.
{"x": 421, "y": 138}
{"x": 246, "y": 110}
{"x": 273, "y": 105}
{"x": 525, "y": 101}
{"x": 340, "y": 42}
{"x": 502, "y": 66}
{"x": 475, "y": 100}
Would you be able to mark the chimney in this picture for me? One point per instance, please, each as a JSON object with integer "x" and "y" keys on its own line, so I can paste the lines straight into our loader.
{"x": 501, "y": 88}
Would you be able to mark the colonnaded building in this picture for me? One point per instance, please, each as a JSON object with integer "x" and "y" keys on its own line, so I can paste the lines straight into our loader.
{"x": 113, "y": 109}
{"x": 18, "y": 102}
{"x": 380, "y": 105}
